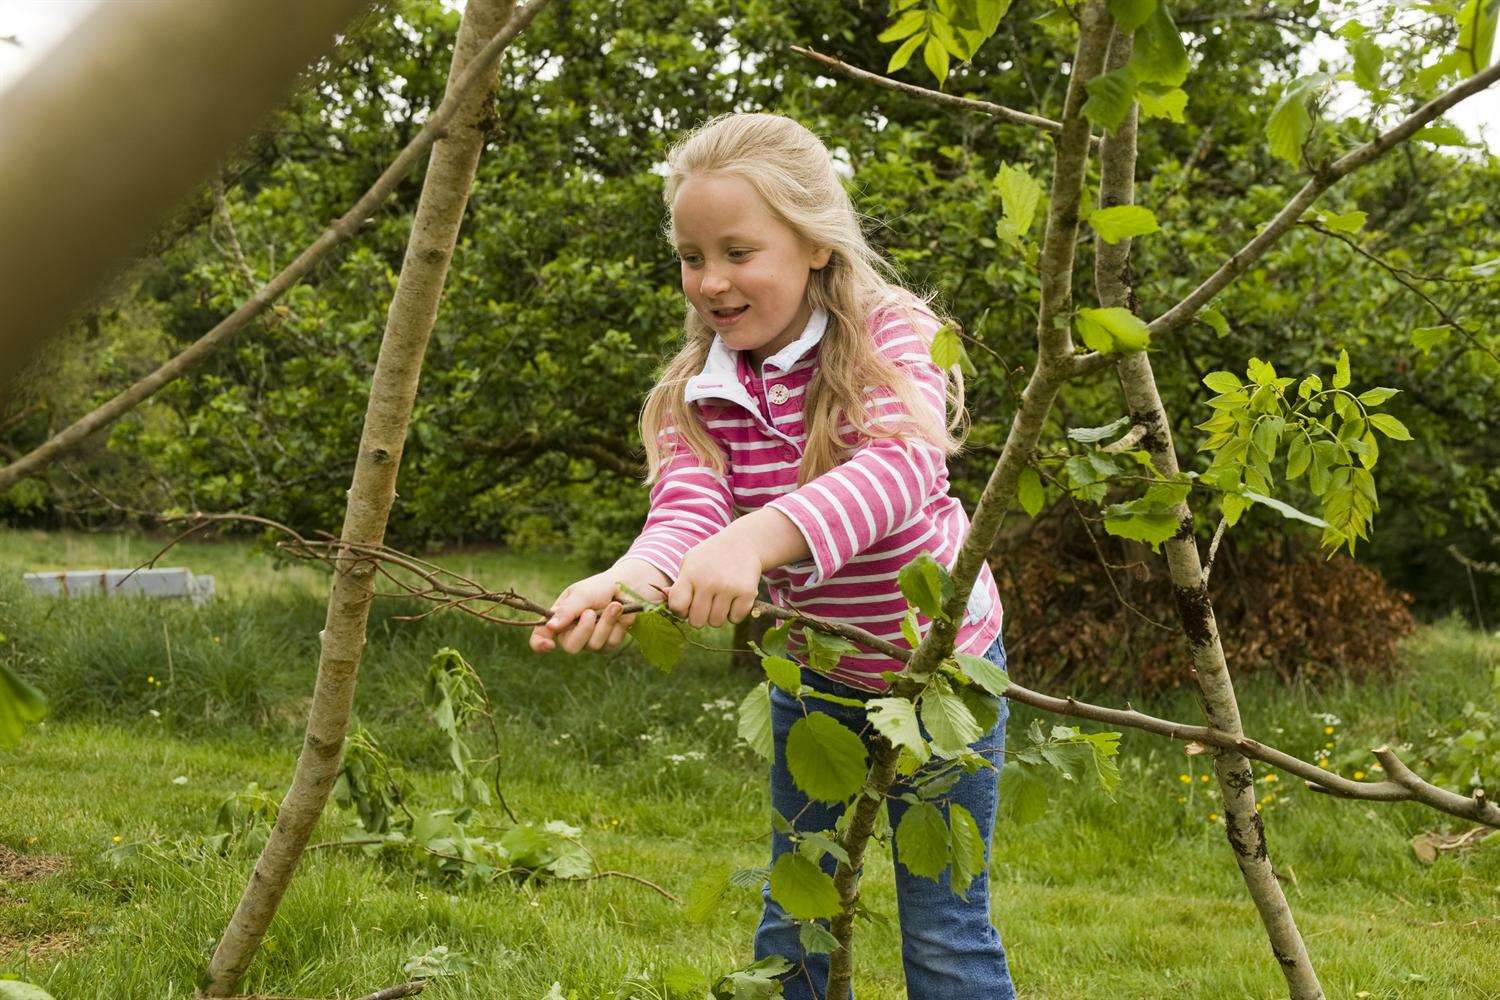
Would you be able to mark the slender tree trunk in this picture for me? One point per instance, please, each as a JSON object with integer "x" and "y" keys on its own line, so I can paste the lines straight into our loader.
{"x": 121, "y": 120}
{"x": 1054, "y": 351}
{"x": 413, "y": 310}
{"x": 1236, "y": 780}
{"x": 337, "y": 232}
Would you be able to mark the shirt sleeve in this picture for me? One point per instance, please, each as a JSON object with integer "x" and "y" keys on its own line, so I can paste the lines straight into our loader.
{"x": 886, "y": 481}
{"x": 689, "y": 502}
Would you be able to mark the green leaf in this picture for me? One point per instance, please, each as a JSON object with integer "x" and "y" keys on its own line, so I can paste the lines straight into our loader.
{"x": 755, "y": 719}
{"x": 1223, "y": 381}
{"x": 922, "y": 840}
{"x": 817, "y": 939}
{"x": 1341, "y": 371}
{"x": 824, "y": 651}
{"x": 754, "y": 982}
{"x": 1131, "y": 14}
{"x": 926, "y": 585}
{"x": 1442, "y": 135}
{"x": 660, "y": 638}
{"x": 948, "y": 720}
{"x": 1376, "y": 396}
{"x": 1022, "y": 792}
{"x": 1476, "y": 32}
{"x": 1348, "y": 222}
{"x": 1297, "y": 456}
{"x": 1154, "y": 527}
{"x": 967, "y": 846}
{"x": 1029, "y": 492}
{"x": 1110, "y": 97}
{"x": 1291, "y": 120}
{"x": 1429, "y": 337}
{"x": 902, "y": 55}
{"x": 1159, "y": 55}
{"x": 1284, "y": 509}
{"x": 1111, "y": 330}
{"x": 936, "y": 58}
{"x": 984, "y": 673}
{"x": 1093, "y": 435}
{"x": 1215, "y": 320}
{"x": 1390, "y": 426}
{"x": 1368, "y": 57}
{"x": 1122, "y": 222}
{"x": 826, "y": 760}
{"x": 948, "y": 350}
{"x": 1162, "y": 102}
{"x": 1020, "y": 194}
{"x": 896, "y": 720}
{"x": 783, "y": 673}
{"x": 990, "y": 12}
{"x": 907, "y": 24}
{"x": 803, "y": 889}
{"x": 14, "y": 989}
{"x": 20, "y": 704}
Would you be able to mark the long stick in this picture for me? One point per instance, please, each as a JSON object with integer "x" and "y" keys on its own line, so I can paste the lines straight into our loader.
{"x": 104, "y": 135}
{"x": 337, "y": 232}
{"x": 393, "y": 389}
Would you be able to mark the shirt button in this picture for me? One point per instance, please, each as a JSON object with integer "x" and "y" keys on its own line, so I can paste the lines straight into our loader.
{"x": 789, "y": 453}
{"x": 779, "y": 393}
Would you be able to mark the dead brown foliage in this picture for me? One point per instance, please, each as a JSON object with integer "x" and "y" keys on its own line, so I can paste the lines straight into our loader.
{"x": 1291, "y": 611}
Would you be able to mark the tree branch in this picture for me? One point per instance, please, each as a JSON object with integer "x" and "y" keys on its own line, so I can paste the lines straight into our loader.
{"x": 1321, "y": 181}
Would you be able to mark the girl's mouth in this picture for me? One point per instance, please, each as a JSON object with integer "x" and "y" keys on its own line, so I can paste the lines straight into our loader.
{"x": 727, "y": 317}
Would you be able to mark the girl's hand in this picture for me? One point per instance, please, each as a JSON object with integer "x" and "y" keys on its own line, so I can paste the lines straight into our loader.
{"x": 718, "y": 582}
{"x": 589, "y": 612}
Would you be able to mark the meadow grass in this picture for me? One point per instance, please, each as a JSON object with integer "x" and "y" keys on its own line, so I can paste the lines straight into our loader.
{"x": 1136, "y": 897}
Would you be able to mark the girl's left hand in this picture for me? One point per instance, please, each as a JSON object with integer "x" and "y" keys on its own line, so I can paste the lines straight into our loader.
{"x": 718, "y": 581}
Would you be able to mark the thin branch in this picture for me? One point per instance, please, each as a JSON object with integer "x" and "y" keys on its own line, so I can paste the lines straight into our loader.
{"x": 1408, "y": 787}
{"x": 1321, "y": 181}
{"x": 1398, "y": 274}
{"x": 935, "y": 96}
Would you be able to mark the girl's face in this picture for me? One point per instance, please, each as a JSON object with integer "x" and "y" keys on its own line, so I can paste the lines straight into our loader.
{"x": 735, "y": 253}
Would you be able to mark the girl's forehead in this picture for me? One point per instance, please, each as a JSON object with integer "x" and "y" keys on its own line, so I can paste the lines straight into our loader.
{"x": 718, "y": 208}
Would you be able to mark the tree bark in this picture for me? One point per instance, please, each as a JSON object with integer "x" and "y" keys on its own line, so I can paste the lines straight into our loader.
{"x": 413, "y": 310}
{"x": 337, "y": 232}
{"x": 1236, "y": 780}
{"x": 131, "y": 110}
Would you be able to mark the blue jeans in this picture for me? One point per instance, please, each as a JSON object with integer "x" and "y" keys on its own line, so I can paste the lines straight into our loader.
{"x": 949, "y": 948}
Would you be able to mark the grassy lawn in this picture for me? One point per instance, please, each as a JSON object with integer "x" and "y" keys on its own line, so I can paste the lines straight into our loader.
{"x": 1138, "y": 897}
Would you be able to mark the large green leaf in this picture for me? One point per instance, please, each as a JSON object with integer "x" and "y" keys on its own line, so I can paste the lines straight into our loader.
{"x": 1290, "y": 120}
{"x": 1159, "y": 55}
{"x": 783, "y": 673}
{"x": 1122, "y": 222}
{"x": 1157, "y": 101}
{"x": 896, "y": 720}
{"x": 984, "y": 673}
{"x": 20, "y": 704}
{"x": 1020, "y": 194}
{"x": 1022, "y": 792}
{"x": 949, "y": 721}
{"x": 755, "y": 719}
{"x": 661, "y": 639}
{"x": 1110, "y": 97}
{"x": 926, "y": 585}
{"x": 14, "y": 989}
{"x": 826, "y": 759}
{"x": 1112, "y": 330}
{"x": 1476, "y": 32}
{"x": 803, "y": 889}
{"x": 922, "y": 839}
{"x": 967, "y": 845}
{"x": 1029, "y": 492}
{"x": 1131, "y": 14}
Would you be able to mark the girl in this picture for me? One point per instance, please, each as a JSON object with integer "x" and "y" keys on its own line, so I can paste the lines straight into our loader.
{"x": 800, "y": 435}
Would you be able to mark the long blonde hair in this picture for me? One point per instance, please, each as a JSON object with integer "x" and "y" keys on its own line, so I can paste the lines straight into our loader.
{"x": 790, "y": 169}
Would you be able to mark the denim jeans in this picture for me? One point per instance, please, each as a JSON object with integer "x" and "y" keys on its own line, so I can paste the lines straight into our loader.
{"x": 949, "y": 948}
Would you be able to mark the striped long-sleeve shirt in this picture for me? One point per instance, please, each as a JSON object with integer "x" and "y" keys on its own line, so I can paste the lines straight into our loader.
{"x": 863, "y": 520}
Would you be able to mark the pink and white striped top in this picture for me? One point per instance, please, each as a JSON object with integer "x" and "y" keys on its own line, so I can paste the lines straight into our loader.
{"x": 863, "y": 519}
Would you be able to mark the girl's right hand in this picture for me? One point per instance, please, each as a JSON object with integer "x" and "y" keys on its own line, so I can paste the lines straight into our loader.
{"x": 588, "y": 613}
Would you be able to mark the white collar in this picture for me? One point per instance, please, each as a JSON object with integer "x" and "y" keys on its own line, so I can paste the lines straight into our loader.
{"x": 720, "y": 376}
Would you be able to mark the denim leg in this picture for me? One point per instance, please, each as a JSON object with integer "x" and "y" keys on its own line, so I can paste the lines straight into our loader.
{"x": 777, "y": 933}
{"x": 950, "y": 949}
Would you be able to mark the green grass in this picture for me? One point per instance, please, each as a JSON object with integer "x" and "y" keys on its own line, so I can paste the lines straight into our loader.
{"x": 1134, "y": 898}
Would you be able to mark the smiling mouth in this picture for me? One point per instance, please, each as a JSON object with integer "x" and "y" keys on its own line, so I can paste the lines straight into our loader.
{"x": 726, "y": 313}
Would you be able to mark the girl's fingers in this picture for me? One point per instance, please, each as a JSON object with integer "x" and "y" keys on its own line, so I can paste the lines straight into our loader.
{"x": 605, "y": 626}
{"x": 616, "y": 637}
{"x": 718, "y": 612}
{"x": 740, "y": 609}
{"x": 580, "y": 633}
